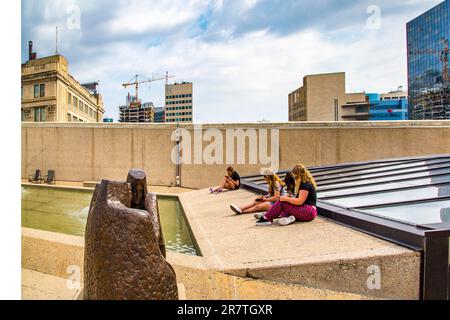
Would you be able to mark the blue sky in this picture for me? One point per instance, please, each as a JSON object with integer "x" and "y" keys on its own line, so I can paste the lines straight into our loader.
{"x": 243, "y": 56}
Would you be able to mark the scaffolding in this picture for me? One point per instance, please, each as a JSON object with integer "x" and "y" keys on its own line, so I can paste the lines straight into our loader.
{"x": 137, "y": 114}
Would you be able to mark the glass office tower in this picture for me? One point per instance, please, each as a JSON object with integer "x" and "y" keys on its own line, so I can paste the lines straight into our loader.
{"x": 428, "y": 75}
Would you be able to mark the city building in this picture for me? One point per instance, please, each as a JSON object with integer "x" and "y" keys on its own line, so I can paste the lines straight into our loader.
{"x": 356, "y": 107}
{"x": 388, "y": 106}
{"x": 136, "y": 112}
{"x": 428, "y": 72}
{"x": 160, "y": 115}
{"x": 319, "y": 98}
{"x": 179, "y": 102}
{"x": 323, "y": 98}
{"x": 376, "y": 107}
{"x": 50, "y": 94}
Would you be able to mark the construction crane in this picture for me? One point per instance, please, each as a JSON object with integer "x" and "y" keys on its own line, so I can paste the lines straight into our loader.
{"x": 135, "y": 81}
{"x": 443, "y": 57}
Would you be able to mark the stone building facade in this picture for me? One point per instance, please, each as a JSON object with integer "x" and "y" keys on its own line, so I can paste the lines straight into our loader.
{"x": 51, "y": 94}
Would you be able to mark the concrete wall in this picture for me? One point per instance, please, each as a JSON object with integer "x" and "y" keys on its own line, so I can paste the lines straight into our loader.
{"x": 91, "y": 152}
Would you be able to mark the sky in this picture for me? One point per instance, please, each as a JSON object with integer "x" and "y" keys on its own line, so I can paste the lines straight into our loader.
{"x": 243, "y": 56}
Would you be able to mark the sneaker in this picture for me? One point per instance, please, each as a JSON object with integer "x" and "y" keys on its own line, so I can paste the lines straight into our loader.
{"x": 286, "y": 221}
{"x": 263, "y": 222}
{"x": 211, "y": 190}
{"x": 236, "y": 209}
{"x": 258, "y": 215}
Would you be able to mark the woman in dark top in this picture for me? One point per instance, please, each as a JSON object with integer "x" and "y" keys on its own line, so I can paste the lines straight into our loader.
{"x": 232, "y": 181}
{"x": 300, "y": 207}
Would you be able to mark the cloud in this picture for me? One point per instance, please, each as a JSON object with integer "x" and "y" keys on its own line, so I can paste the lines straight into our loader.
{"x": 243, "y": 57}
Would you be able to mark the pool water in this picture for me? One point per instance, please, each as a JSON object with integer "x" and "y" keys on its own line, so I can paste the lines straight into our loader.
{"x": 66, "y": 211}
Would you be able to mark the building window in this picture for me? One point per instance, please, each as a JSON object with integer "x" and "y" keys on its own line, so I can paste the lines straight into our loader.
{"x": 39, "y": 114}
{"x": 23, "y": 115}
{"x": 42, "y": 87}
{"x": 39, "y": 90}
{"x": 21, "y": 94}
{"x": 362, "y": 109}
{"x": 69, "y": 99}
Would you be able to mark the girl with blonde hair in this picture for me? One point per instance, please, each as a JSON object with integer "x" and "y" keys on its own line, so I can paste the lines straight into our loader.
{"x": 263, "y": 203}
{"x": 299, "y": 207}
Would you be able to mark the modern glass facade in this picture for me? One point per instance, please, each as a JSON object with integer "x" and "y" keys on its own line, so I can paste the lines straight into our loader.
{"x": 427, "y": 42}
{"x": 385, "y": 110}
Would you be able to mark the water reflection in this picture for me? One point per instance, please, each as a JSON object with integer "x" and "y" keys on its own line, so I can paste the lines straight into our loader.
{"x": 66, "y": 211}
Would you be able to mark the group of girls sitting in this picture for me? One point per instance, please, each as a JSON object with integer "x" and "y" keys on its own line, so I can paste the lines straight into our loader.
{"x": 288, "y": 201}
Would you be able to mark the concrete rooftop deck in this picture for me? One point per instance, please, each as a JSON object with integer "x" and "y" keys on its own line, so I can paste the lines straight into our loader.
{"x": 320, "y": 254}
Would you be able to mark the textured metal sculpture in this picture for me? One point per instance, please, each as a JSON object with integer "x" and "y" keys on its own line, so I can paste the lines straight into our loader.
{"x": 124, "y": 255}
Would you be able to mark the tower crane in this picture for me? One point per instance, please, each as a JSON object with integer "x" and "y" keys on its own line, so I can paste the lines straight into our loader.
{"x": 135, "y": 81}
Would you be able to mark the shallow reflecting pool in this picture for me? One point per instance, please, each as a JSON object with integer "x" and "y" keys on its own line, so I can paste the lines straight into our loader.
{"x": 65, "y": 211}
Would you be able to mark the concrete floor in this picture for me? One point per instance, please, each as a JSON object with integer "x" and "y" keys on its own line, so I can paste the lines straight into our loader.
{"x": 41, "y": 286}
{"x": 318, "y": 254}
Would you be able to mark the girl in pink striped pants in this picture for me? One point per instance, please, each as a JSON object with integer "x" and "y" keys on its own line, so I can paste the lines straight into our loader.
{"x": 301, "y": 207}
{"x": 304, "y": 213}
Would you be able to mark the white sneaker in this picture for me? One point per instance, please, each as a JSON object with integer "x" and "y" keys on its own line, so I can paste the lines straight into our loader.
{"x": 258, "y": 216}
{"x": 286, "y": 221}
{"x": 211, "y": 190}
{"x": 236, "y": 209}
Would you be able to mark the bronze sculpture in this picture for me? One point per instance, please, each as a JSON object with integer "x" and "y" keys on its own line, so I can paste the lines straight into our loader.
{"x": 125, "y": 254}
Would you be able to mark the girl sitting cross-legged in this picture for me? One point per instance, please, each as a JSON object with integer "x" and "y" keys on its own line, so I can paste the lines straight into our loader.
{"x": 263, "y": 203}
{"x": 300, "y": 207}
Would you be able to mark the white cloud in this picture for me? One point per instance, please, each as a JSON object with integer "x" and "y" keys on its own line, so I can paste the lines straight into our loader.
{"x": 236, "y": 78}
{"x": 249, "y": 78}
{"x": 140, "y": 16}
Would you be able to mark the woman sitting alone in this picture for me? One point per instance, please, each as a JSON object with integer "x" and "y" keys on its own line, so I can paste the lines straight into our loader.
{"x": 232, "y": 181}
{"x": 263, "y": 203}
{"x": 300, "y": 207}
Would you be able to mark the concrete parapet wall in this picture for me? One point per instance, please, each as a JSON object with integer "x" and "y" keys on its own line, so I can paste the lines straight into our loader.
{"x": 91, "y": 152}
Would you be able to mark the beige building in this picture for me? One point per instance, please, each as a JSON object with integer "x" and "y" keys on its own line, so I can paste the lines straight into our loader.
{"x": 51, "y": 94}
{"x": 356, "y": 107}
{"x": 179, "y": 103}
{"x": 319, "y": 98}
{"x": 323, "y": 98}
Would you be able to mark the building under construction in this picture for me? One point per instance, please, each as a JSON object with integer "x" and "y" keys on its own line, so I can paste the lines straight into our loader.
{"x": 137, "y": 112}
